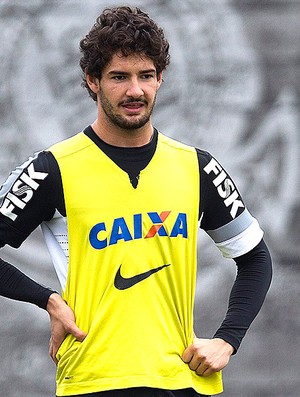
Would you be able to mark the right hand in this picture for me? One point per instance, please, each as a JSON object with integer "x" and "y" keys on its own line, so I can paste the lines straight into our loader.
{"x": 207, "y": 356}
{"x": 62, "y": 322}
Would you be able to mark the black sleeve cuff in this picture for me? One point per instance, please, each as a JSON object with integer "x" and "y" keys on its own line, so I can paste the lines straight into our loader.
{"x": 16, "y": 285}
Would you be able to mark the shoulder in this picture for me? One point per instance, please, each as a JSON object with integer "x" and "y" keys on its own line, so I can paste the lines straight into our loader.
{"x": 204, "y": 157}
{"x": 174, "y": 144}
{"x": 31, "y": 172}
{"x": 28, "y": 177}
{"x": 70, "y": 145}
{"x": 28, "y": 197}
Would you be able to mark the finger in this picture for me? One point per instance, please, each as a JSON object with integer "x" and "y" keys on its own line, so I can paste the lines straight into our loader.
{"x": 207, "y": 368}
{"x": 54, "y": 359}
{"x": 52, "y": 352}
{"x": 188, "y": 354}
{"x": 208, "y": 372}
{"x": 195, "y": 363}
{"x": 202, "y": 369}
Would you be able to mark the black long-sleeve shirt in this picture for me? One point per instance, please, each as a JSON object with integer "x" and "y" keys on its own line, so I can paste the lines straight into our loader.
{"x": 27, "y": 201}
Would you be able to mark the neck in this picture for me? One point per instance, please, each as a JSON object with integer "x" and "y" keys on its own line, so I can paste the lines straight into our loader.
{"x": 115, "y": 136}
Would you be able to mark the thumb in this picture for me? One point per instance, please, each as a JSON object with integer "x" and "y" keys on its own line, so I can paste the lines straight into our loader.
{"x": 188, "y": 354}
{"x": 77, "y": 333}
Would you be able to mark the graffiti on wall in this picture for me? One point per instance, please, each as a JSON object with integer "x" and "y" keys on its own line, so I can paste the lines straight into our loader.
{"x": 233, "y": 88}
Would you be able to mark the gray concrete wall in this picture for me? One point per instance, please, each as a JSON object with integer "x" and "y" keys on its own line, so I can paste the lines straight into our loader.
{"x": 233, "y": 88}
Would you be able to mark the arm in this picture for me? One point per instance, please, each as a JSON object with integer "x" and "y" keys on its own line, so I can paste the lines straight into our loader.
{"x": 237, "y": 234}
{"x": 206, "y": 356}
{"x": 24, "y": 203}
{"x": 16, "y": 285}
{"x": 247, "y": 295}
{"x": 38, "y": 185}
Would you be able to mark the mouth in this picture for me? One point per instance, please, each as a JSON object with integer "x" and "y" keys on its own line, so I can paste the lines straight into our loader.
{"x": 133, "y": 107}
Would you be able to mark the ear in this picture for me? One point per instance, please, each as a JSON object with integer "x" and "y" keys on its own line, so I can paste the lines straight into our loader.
{"x": 159, "y": 80}
{"x": 93, "y": 83}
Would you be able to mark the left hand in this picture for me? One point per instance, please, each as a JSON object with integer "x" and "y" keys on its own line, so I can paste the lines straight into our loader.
{"x": 207, "y": 356}
{"x": 62, "y": 323}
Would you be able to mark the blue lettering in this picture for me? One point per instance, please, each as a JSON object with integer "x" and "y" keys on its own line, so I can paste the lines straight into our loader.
{"x": 94, "y": 240}
{"x": 119, "y": 231}
{"x": 137, "y": 221}
{"x": 180, "y": 226}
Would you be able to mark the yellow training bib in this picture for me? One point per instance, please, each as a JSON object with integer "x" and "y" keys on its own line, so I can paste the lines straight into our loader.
{"x": 132, "y": 269}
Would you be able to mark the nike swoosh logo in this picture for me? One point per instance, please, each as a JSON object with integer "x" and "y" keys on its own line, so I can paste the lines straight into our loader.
{"x": 122, "y": 283}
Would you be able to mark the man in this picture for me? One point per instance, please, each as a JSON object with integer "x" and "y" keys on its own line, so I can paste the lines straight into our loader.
{"x": 120, "y": 205}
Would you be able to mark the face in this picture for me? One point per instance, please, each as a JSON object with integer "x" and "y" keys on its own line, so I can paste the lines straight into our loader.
{"x": 127, "y": 91}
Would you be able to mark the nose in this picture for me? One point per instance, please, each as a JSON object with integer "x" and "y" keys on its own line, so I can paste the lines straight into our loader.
{"x": 134, "y": 89}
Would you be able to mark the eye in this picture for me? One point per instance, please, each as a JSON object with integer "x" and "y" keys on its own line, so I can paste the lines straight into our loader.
{"x": 147, "y": 76}
{"x": 118, "y": 77}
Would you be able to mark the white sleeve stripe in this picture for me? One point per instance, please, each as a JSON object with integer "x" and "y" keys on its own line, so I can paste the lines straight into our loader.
{"x": 233, "y": 228}
{"x": 243, "y": 242}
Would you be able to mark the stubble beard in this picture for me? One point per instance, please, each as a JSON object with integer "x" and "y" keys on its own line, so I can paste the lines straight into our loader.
{"x": 121, "y": 121}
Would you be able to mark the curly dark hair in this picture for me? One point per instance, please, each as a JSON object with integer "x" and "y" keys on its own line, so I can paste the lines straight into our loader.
{"x": 125, "y": 29}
